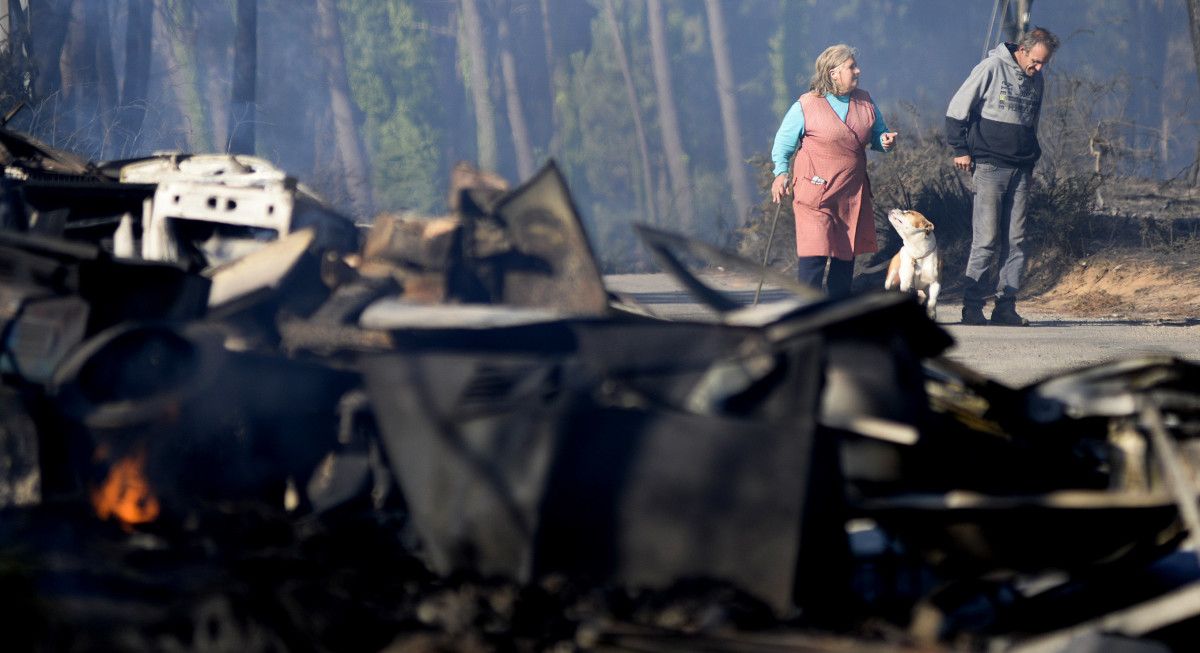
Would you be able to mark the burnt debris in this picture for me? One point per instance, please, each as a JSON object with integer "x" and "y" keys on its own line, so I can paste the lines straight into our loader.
{"x": 234, "y": 420}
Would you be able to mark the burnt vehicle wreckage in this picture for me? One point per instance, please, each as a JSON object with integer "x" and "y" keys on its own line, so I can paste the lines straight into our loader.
{"x": 232, "y": 423}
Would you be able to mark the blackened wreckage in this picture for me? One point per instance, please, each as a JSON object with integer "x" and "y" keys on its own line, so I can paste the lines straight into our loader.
{"x": 229, "y": 416}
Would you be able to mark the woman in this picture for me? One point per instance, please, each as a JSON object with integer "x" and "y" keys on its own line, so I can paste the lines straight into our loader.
{"x": 831, "y": 125}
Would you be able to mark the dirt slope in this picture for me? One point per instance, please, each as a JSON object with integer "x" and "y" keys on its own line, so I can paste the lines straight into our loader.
{"x": 1134, "y": 284}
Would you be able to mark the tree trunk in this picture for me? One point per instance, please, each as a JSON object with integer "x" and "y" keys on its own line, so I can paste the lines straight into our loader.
{"x": 512, "y": 97}
{"x": 180, "y": 53}
{"x": 6, "y": 28}
{"x": 139, "y": 30}
{"x": 669, "y": 122}
{"x": 88, "y": 80}
{"x": 554, "y": 75}
{"x": 1193, "y": 7}
{"x": 47, "y": 30}
{"x": 77, "y": 75}
{"x": 456, "y": 140}
{"x": 1152, "y": 104}
{"x": 16, "y": 26}
{"x": 215, "y": 60}
{"x": 735, "y": 169}
{"x": 477, "y": 73}
{"x": 631, "y": 96}
{"x": 350, "y": 147}
{"x": 786, "y": 67}
{"x": 245, "y": 73}
{"x": 99, "y": 47}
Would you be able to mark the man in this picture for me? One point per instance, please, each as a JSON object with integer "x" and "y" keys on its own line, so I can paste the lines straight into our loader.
{"x": 992, "y": 125}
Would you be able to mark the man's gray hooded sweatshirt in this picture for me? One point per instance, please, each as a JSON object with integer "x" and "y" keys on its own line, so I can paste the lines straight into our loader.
{"x": 994, "y": 115}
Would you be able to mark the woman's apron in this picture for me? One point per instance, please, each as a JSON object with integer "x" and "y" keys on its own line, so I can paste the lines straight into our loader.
{"x": 832, "y": 195}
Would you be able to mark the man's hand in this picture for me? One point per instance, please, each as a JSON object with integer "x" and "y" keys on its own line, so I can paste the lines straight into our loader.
{"x": 888, "y": 140}
{"x": 779, "y": 187}
{"x": 964, "y": 162}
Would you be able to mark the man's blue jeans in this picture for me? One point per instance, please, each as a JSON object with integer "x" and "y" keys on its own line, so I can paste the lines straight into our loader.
{"x": 997, "y": 229}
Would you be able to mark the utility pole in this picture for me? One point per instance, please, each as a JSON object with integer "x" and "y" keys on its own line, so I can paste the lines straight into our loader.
{"x": 1016, "y": 19}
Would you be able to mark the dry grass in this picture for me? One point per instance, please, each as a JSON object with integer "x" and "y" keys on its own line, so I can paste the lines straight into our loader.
{"x": 1134, "y": 283}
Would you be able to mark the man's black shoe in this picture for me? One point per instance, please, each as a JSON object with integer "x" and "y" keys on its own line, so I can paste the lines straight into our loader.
{"x": 973, "y": 315}
{"x": 1006, "y": 315}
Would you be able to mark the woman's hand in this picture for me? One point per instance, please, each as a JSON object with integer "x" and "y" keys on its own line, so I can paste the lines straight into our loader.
{"x": 779, "y": 187}
{"x": 888, "y": 140}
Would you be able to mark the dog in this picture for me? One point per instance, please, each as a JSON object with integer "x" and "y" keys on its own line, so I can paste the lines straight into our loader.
{"x": 917, "y": 266}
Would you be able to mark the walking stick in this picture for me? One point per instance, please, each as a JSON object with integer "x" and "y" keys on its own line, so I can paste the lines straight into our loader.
{"x": 767, "y": 253}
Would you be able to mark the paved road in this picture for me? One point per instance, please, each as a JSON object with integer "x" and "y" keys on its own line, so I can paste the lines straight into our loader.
{"x": 1011, "y": 355}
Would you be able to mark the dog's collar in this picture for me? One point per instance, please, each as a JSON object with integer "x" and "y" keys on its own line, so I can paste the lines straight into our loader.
{"x": 918, "y": 254}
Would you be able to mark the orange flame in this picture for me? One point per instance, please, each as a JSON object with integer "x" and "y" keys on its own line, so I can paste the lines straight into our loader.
{"x": 126, "y": 494}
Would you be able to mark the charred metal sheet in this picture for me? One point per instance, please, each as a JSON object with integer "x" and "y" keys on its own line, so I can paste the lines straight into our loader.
{"x": 705, "y": 370}
{"x": 48, "y": 247}
{"x": 210, "y": 424}
{"x": 57, "y": 292}
{"x": 955, "y": 485}
{"x": 354, "y": 471}
{"x": 38, "y": 333}
{"x": 1101, "y": 634}
{"x": 719, "y": 474}
{"x": 648, "y": 497}
{"x": 1068, "y": 529}
{"x": 1179, "y": 481}
{"x": 1071, "y": 472}
{"x": 24, "y": 155}
{"x": 874, "y": 344}
{"x": 524, "y": 247}
{"x": 874, "y": 381}
{"x": 552, "y": 263}
{"x": 125, "y": 291}
{"x": 807, "y": 453}
{"x": 470, "y": 436}
{"x": 583, "y": 446}
{"x": 637, "y": 637}
{"x": 1111, "y": 389}
{"x": 57, "y": 193}
{"x": 673, "y": 250}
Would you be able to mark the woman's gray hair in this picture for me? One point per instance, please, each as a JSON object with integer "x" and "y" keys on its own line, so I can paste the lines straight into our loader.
{"x": 1039, "y": 35}
{"x": 832, "y": 57}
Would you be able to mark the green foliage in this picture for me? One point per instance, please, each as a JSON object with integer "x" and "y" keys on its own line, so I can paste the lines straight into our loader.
{"x": 600, "y": 149}
{"x": 789, "y": 55}
{"x": 391, "y": 68}
{"x": 769, "y": 222}
{"x": 405, "y": 60}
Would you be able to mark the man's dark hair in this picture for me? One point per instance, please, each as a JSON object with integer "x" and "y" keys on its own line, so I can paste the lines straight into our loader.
{"x": 1039, "y": 35}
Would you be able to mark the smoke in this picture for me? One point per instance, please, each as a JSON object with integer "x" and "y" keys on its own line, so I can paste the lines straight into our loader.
{"x": 414, "y": 110}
